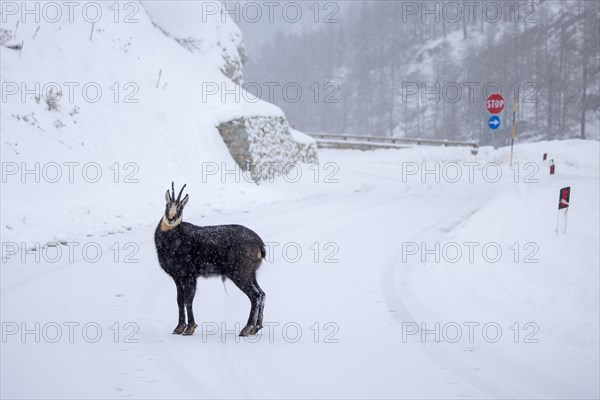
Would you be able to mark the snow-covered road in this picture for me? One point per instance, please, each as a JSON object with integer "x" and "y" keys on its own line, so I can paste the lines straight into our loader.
{"x": 347, "y": 298}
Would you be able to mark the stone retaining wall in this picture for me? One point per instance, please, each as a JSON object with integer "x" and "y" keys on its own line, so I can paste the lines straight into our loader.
{"x": 266, "y": 145}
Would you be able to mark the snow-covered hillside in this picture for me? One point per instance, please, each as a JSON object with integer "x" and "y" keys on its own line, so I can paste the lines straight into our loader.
{"x": 108, "y": 112}
{"x": 346, "y": 317}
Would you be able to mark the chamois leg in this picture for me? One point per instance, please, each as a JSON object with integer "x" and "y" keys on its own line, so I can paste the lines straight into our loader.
{"x": 181, "y": 324}
{"x": 188, "y": 299}
{"x": 261, "y": 306}
{"x": 254, "y": 294}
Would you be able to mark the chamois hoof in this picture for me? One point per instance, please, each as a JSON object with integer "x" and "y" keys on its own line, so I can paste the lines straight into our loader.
{"x": 189, "y": 330}
{"x": 250, "y": 330}
{"x": 179, "y": 329}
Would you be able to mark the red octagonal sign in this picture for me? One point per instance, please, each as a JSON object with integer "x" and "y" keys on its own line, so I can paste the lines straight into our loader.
{"x": 495, "y": 103}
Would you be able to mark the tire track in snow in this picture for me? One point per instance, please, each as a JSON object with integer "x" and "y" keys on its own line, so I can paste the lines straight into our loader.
{"x": 452, "y": 360}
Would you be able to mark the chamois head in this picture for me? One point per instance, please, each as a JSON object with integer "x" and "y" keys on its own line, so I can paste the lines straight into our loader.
{"x": 174, "y": 208}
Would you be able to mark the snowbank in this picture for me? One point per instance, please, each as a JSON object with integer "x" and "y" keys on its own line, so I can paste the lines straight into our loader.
{"x": 108, "y": 112}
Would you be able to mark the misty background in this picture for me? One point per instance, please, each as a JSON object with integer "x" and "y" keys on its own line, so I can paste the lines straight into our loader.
{"x": 424, "y": 69}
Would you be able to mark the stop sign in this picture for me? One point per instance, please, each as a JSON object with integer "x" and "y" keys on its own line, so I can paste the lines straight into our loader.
{"x": 495, "y": 103}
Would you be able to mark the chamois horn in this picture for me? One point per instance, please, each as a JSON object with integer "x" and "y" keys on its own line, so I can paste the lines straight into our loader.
{"x": 180, "y": 192}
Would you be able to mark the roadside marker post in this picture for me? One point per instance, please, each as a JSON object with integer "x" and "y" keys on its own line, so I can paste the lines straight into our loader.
{"x": 564, "y": 199}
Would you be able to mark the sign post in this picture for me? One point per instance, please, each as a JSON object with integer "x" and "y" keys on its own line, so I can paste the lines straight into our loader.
{"x": 512, "y": 139}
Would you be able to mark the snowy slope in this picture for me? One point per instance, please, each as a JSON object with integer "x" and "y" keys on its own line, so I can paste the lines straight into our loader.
{"x": 354, "y": 302}
{"x": 132, "y": 94}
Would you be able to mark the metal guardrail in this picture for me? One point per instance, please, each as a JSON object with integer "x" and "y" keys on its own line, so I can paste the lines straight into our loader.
{"x": 357, "y": 141}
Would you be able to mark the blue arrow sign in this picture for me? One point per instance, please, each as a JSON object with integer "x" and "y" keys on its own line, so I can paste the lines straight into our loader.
{"x": 494, "y": 122}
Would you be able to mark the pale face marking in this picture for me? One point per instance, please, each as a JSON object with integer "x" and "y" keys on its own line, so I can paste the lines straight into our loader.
{"x": 167, "y": 222}
{"x": 172, "y": 211}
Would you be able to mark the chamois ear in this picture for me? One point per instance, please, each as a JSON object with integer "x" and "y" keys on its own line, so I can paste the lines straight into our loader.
{"x": 185, "y": 200}
{"x": 168, "y": 197}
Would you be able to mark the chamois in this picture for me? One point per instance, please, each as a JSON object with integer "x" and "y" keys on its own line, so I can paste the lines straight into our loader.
{"x": 186, "y": 252}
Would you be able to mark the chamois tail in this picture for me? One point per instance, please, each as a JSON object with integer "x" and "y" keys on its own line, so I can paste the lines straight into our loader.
{"x": 224, "y": 287}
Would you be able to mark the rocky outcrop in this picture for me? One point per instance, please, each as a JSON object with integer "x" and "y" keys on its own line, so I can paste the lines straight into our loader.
{"x": 233, "y": 53}
{"x": 202, "y": 32}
